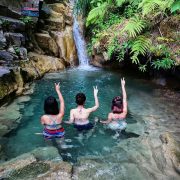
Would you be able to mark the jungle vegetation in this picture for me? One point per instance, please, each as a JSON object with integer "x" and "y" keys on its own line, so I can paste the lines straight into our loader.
{"x": 136, "y": 27}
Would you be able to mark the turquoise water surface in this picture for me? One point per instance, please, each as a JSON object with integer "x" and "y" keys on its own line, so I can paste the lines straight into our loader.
{"x": 96, "y": 142}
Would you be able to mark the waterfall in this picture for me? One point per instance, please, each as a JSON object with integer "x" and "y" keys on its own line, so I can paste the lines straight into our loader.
{"x": 79, "y": 41}
{"x": 80, "y": 44}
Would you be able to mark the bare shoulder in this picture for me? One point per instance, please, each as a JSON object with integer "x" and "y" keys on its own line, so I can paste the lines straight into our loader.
{"x": 43, "y": 117}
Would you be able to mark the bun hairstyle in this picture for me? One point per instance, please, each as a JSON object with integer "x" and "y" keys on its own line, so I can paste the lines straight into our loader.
{"x": 80, "y": 98}
{"x": 117, "y": 105}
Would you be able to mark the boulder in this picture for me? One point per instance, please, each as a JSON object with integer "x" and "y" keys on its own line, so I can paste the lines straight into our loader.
{"x": 47, "y": 154}
{"x": 59, "y": 171}
{"x": 4, "y": 55}
{"x": 47, "y": 43}
{"x": 44, "y": 64}
{"x": 58, "y": 7}
{"x": 3, "y": 43}
{"x": 55, "y": 24}
{"x": 23, "y": 53}
{"x": 13, "y": 25}
{"x": 16, "y": 39}
{"x": 16, "y": 164}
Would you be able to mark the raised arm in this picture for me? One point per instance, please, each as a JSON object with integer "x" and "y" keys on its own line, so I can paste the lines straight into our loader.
{"x": 124, "y": 97}
{"x": 95, "y": 99}
{"x": 61, "y": 99}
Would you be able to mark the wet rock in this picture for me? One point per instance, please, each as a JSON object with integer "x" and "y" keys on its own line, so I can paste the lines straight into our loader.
{"x": 2, "y": 40}
{"x": 47, "y": 43}
{"x": 13, "y": 25}
{"x": 58, "y": 171}
{"x": 171, "y": 151}
{"x": 44, "y": 64}
{"x": 66, "y": 45}
{"x": 16, "y": 164}
{"x": 47, "y": 153}
{"x": 16, "y": 39}
{"x": 4, "y": 55}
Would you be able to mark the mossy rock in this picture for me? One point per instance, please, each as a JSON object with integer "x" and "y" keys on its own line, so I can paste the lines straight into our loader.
{"x": 30, "y": 172}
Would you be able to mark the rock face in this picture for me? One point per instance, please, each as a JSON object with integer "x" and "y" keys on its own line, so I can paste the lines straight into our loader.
{"x": 13, "y": 81}
{"x": 57, "y": 37}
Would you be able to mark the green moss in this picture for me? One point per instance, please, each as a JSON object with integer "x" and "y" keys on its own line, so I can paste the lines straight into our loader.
{"x": 30, "y": 172}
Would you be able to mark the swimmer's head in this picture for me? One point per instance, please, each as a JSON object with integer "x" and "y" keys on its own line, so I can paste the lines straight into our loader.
{"x": 51, "y": 106}
{"x": 80, "y": 98}
{"x": 117, "y": 105}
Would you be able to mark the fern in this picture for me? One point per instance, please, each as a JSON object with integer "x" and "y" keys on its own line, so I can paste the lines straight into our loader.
{"x": 165, "y": 63}
{"x": 139, "y": 46}
{"x": 135, "y": 26}
{"x": 96, "y": 14}
{"x": 155, "y": 6}
{"x": 120, "y": 2}
{"x": 175, "y": 6}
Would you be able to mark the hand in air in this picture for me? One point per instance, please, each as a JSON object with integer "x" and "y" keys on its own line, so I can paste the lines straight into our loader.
{"x": 122, "y": 82}
{"x": 57, "y": 87}
{"x": 95, "y": 90}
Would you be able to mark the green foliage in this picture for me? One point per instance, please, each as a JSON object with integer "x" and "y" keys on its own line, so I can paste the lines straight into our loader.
{"x": 164, "y": 63}
{"x": 155, "y": 7}
{"x": 135, "y": 26}
{"x": 17, "y": 50}
{"x": 139, "y": 46}
{"x": 27, "y": 20}
{"x": 96, "y": 14}
{"x": 120, "y": 2}
{"x": 5, "y": 24}
{"x": 175, "y": 6}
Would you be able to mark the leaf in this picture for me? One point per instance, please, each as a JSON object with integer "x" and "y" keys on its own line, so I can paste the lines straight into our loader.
{"x": 134, "y": 26}
{"x": 140, "y": 46}
{"x": 96, "y": 14}
{"x": 175, "y": 6}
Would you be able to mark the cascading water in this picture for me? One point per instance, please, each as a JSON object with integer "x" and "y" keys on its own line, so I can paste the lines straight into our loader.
{"x": 80, "y": 43}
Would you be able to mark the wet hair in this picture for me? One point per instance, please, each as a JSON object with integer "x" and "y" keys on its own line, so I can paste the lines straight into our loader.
{"x": 80, "y": 98}
{"x": 117, "y": 105}
{"x": 51, "y": 106}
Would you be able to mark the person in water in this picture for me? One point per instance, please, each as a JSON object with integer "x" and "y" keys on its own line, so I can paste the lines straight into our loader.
{"x": 52, "y": 119}
{"x": 116, "y": 118}
{"x": 79, "y": 116}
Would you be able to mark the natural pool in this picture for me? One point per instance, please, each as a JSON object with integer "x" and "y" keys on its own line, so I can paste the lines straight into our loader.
{"x": 147, "y": 113}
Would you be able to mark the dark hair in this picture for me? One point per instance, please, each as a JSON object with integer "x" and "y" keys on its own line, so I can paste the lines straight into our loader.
{"x": 80, "y": 98}
{"x": 51, "y": 106}
{"x": 117, "y": 105}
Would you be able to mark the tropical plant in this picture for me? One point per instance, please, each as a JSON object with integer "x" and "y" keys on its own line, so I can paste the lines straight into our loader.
{"x": 139, "y": 46}
{"x": 135, "y": 26}
{"x": 165, "y": 63}
{"x": 175, "y": 6}
{"x": 96, "y": 13}
{"x": 155, "y": 7}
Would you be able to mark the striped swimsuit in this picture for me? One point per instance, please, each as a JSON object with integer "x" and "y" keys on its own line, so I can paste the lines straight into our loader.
{"x": 52, "y": 131}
